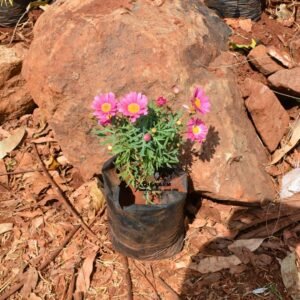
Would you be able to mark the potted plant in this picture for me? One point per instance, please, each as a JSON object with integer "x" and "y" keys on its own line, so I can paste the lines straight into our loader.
{"x": 11, "y": 11}
{"x": 144, "y": 185}
{"x": 248, "y": 9}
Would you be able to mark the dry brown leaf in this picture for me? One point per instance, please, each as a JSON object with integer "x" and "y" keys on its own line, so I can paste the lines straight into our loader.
{"x": 198, "y": 223}
{"x": 245, "y": 24}
{"x": 10, "y": 143}
{"x": 294, "y": 139}
{"x": 4, "y": 133}
{"x": 30, "y": 282}
{"x": 251, "y": 244}
{"x": 33, "y": 296}
{"x": 217, "y": 263}
{"x": 233, "y": 23}
{"x": 97, "y": 196}
{"x": 212, "y": 264}
{"x": 52, "y": 163}
{"x": 4, "y": 227}
{"x": 88, "y": 197}
{"x": 37, "y": 222}
{"x": 29, "y": 214}
{"x": 291, "y": 275}
{"x": 44, "y": 139}
{"x": 35, "y": 183}
{"x": 62, "y": 160}
{"x": 3, "y": 178}
{"x": 83, "y": 279}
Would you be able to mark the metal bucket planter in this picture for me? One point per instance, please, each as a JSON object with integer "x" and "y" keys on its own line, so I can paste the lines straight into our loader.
{"x": 249, "y": 9}
{"x": 11, "y": 14}
{"x": 145, "y": 232}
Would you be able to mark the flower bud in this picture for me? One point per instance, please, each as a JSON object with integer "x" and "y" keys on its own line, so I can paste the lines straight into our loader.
{"x": 179, "y": 122}
{"x": 153, "y": 130}
{"x": 109, "y": 148}
{"x": 176, "y": 89}
{"x": 147, "y": 137}
{"x": 161, "y": 101}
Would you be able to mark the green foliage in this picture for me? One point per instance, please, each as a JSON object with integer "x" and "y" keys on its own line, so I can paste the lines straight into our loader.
{"x": 137, "y": 160}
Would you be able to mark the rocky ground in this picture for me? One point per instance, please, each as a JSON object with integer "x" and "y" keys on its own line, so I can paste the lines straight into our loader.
{"x": 233, "y": 249}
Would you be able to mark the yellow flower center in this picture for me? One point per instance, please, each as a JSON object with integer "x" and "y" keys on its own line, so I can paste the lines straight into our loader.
{"x": 106, "y": 107}
{"x": 133, "y": 108}
{"x": 197, "y": 102}
{"x": 196, "y": 129}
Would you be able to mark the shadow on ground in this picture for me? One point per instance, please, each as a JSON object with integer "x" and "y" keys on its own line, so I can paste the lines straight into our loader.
{"x": 277, "y": 224}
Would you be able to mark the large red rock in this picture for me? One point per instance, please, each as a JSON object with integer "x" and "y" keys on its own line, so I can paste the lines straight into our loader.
{"x": 113, "y": 46}
{"x": 15, "y": 100}
{"x": 269, "y": 117}
{"x": 262, "y": 61}
{"x": 287, "y": 81}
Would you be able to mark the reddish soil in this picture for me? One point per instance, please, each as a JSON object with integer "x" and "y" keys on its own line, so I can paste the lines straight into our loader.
{"x": 40, "y": 223}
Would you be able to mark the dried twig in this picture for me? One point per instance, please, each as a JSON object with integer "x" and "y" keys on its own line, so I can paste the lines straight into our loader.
{"x": 264, "y": 231}
{"x": 20, "y": 172}
{"x": 4, "y": 186}
{"x": 127, "y": 277}
{"x": 148, "y": 280}
{"x": 64, "y": 199}
{"x": 175, "y": 296}
{"x": 69, "y": 295}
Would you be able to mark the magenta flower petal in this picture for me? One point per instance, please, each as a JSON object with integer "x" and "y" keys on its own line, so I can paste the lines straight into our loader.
{"x": 133, "y": 105}
{"x": 200, "y": 101}
{"x": 105, "y": 106}
{"x": 197, "y": 130}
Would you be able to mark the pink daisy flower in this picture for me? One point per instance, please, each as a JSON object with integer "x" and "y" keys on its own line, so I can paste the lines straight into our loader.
{"x": 197, "y": 130}
{"x": 200, "y": 101}
{"x": 134, "y": 105}
{"x": 105, "y": 106}
{"x": 161, "y": 101}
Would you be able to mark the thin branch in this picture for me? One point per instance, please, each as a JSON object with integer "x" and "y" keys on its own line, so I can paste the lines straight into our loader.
{"x": 127, "y": 277}
{"x": 64, "y": 199}
{"x": 20, "y": 172}
{"x": 148, "y": 280}
{"x": 69, "y": 295}
{"x": 175, "y": 296}
{"x": 15, "y": 29}
{"x": 4, "y": 186}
